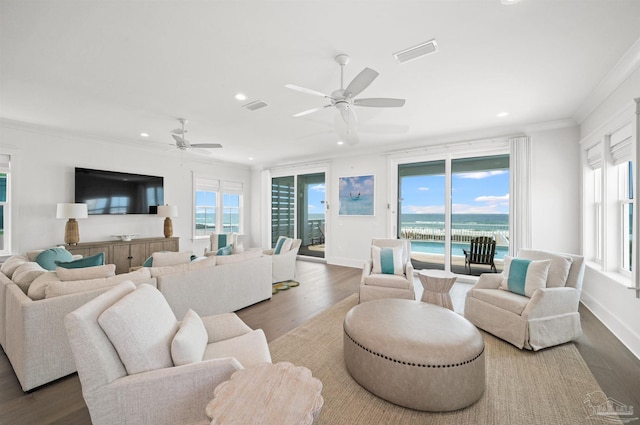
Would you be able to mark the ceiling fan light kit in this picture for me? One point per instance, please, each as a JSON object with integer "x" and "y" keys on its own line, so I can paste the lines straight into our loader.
{"x": 415, "y": 52}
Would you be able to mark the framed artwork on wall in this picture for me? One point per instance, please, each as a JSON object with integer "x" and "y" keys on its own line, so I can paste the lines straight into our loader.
{"x": 357, "y": 195}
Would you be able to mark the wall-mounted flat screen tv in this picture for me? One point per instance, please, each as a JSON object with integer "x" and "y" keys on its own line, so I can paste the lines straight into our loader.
{"x": 112, "y": 192}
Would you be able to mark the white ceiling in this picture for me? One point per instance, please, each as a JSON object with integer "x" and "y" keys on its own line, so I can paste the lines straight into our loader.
{"x": 117, "y": 68}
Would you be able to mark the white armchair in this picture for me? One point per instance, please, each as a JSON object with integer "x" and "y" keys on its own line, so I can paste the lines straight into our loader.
{"x": 384, "y": 283}
{"x": 549, "y": 317}
{"x": 117, "y": 392}
{"x": 284, "y": 262}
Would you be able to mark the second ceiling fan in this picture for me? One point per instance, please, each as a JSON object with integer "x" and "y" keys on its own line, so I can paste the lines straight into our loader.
{"x": 344, "y": 98}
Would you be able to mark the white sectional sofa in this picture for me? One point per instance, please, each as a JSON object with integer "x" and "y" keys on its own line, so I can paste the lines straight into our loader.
{"x": 32, "y": 331}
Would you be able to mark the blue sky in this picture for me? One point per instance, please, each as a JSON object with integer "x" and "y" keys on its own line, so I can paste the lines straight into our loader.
{"x": 483, "y": 192}
{"x": 316, "y": 196}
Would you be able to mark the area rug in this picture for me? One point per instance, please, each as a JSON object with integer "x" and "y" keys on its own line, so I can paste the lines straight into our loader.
{"x": 545, "y": 387}
{"x": 283, "y": 286}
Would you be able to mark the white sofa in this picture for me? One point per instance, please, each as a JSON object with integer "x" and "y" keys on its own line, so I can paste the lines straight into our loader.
{"x": 236, "y": 281}
{"x": 35, "y": 339}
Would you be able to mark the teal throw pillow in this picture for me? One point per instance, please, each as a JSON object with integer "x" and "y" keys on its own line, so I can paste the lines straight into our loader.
{"x": 91, "y": 261}
{"x": 283, "y": 244}
{"x": 524, "y": 277}
{"x": 47, "y": 258}
{"x": 225, "y": 250}
{"x": 148, "y": 262}
{"x": 387, "y": 260}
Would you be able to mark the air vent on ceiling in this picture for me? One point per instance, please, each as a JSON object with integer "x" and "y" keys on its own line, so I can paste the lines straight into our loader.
{"x": 415, "y": 52}
{"x": 255, "y": 105}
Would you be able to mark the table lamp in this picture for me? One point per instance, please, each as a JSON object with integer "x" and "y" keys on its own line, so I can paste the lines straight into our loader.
{"x": 168, "y": 211}
{"x": 72, "y": 212}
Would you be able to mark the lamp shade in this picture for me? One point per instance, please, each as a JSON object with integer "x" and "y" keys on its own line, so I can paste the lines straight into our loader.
{"x": 71, "y": 211}
{"x": 167, "y": 210}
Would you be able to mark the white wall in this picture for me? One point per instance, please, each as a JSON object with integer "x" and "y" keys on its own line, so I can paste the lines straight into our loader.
{"x": 43, "y": 164}
{"x": 609, "y": 299}
{"x": 555, "y": 190}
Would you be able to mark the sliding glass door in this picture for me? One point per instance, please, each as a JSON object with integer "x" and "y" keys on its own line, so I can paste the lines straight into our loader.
{"x": 298, "y": 210}
{"x": 441, "y": 231}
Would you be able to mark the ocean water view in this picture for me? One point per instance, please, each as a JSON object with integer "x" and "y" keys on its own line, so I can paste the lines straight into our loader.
{"x": 469, "y": 221}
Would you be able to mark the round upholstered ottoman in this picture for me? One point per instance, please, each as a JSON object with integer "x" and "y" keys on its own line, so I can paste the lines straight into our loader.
{"x": 415, "y": 354}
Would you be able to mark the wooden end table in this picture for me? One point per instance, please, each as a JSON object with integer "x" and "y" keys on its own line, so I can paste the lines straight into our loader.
{"x": 268, "y": 394}
{"x": 437, "y": 284}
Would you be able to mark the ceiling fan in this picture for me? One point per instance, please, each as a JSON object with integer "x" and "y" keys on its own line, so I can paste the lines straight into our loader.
{"x": 183, "y": 144}
{"x": 343, "y": 98}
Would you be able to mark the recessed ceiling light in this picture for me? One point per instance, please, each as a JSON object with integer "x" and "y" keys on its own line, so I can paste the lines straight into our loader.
{"x": 144, "y": 134}
{"x": 502, "y": 114}
{"x": 340, "y": 142}
{"x": 250, "y": 158}
{"x": 241, "y": 96}
{"x": 509, "y": 2}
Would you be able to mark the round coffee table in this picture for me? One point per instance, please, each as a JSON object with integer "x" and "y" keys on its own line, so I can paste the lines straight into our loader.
{"x": 437, "y": 284}
{"x": 415, "y": 354}
{"x": 267, "y": 394}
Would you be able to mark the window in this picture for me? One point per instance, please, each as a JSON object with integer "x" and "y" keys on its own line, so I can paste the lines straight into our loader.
{"x": 218, "y": 207}
{"x": 609, "y": 203}
{"x": 5, "y": 203}
{"x": 626, "y": 202}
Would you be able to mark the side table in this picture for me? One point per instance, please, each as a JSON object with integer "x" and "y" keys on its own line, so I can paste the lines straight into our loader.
{"x": 267, "y": 394}
{"x": 437, "y": 284}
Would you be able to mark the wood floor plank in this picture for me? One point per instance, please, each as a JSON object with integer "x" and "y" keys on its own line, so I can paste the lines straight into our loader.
{"x": 321, "y": 286}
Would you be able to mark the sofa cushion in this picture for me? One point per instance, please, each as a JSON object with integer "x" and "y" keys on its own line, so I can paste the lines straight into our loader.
{"x": 11, "y": 264}
{"x": 387, "y": 281}
{"x": 504, "y": 300}
{"x": 225, "y": 250}
{"x": 283, "y": 244}
{"x": 57, "y": 288}
{"x": 91, "y": 261}
{"x": 47, "y": 258}
{"x": 38, "y": 286}
{"x": 141, "y": 327}
{"x": 190, "y": 341}
{"x": 200, "y": 263}
{"x": 387, "y": 260}
{"x": 239, "y": 257}
{"x": 86, "y": 273}
{"x": 559, "y": 269}
{"x": 26, "y": 273}
{"x": 523, "y": 276}
{"x": 170, "y": 258}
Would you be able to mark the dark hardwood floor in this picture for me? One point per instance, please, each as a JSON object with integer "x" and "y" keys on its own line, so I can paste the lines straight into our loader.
{"x": 321, "y": 286}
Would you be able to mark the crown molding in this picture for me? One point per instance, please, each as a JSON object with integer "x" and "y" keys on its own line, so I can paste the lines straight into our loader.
{"x": 626, "y": 66}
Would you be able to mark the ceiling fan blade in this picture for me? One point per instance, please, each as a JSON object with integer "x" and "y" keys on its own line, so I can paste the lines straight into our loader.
{"x": 309, "y": 111}
{"x": 361, "y": 82}
{"x": 380, "y": 102}
{"x": 206, "y": 145}
{"x": 306, "y": 90}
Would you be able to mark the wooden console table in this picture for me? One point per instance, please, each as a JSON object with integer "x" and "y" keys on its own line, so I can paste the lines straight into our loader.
{"x": 126, "y": 254}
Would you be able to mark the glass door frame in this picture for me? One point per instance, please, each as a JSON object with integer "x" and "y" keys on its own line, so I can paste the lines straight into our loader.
{"x": 438, "y": 153}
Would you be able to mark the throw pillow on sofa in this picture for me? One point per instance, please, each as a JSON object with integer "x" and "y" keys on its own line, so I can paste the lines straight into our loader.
{"x": 199, "y": 263}
{"x": 85, "y": 273}
{"x": 283, "y": 244}
{"x": 143, "y": 341}
{"x": 47, "y": 258}
{"x": 190, "y": 341}
{"x": 160, "y": 259}
{"x": 91, "y": 261}
{"x": 26, "y": 273}
{"x": 11, "y": 264}
{"x": 59, "y": 288}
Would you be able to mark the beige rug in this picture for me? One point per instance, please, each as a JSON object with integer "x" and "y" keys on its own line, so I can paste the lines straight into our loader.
{"x": 523, "y": 387}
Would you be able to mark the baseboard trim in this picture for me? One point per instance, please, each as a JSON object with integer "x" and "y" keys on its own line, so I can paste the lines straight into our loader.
{"x": 620, "y": 330}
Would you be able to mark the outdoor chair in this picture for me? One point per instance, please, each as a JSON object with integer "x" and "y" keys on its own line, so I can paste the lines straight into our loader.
{"x": 482, "y": 251}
